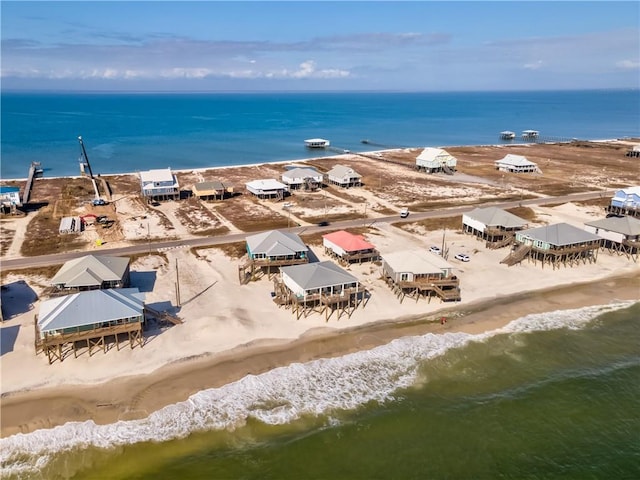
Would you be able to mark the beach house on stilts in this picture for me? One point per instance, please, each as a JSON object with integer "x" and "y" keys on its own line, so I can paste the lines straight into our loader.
{"x": 620, "y": 235}
{"x": 348, "y": 248}
{"x": 433, "y": 160}
{"x": 420, "y": 274}
{"x": 91, "y": 272}
{"x": 558, "y": 245}
{"x": 344, "y": 177}
{"x": 267, "y": 188}
{"x": 94, "y": 319}
{"x": 626, "y": 201}
{"x": 159, "y": 184}
{"x": 302, "y": 178}
{"x": 494, "y": 225}
{"x": 516, "y": 164}
{"x": 212, "y": 190}
{"x": 321, "y": 287}
{"x": 267, "y": 251}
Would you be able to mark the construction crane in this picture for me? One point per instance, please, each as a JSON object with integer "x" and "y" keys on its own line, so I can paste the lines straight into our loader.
{"x": 84, "y": 163}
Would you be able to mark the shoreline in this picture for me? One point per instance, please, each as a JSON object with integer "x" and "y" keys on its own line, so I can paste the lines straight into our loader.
{"x": 133, "y": 397}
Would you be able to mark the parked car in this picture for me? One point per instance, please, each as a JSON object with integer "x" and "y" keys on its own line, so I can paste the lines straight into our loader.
{"x": 324, "y": 223}
{"x": 404, "y": 213}
{"x": 99, "y": 201}
{"x": 435, "y": 250}
{"x": 462, "y": 257}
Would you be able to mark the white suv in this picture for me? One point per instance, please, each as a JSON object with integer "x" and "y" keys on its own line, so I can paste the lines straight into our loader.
{"x": 404, "y": 213}
{"x": 435, "y": 250}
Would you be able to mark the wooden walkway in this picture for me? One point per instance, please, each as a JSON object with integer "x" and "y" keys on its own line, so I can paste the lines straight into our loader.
{"x": 35, "y": 171}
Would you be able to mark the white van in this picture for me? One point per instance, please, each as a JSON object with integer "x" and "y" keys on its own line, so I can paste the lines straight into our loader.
{"x": 404, "y": 213}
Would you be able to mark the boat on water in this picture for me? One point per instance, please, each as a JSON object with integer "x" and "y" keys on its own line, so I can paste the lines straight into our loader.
{"x": 317, "y": 143}
{"x": 507, "y": 135}
{"x": 530, "y": 134}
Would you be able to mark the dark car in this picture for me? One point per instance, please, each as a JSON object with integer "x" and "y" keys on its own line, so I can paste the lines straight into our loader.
{"x": 323, "y": 224}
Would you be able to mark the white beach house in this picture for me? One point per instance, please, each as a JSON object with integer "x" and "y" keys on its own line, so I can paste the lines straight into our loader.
{"x": 344, "y": 176}
{"x": 516, "y": 164}
{"x": 302, "y": 177}
{"x": 267, "y": 188}
{"x": 433, "y": 160}
{"x": 159, "y": 184}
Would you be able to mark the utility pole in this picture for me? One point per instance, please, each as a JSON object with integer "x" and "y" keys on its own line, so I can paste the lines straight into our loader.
{"x": 177, "y": 285}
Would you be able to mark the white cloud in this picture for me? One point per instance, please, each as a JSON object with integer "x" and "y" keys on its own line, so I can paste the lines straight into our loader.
{"x": 533, "y": 66}
{"x": 628, "y": 65}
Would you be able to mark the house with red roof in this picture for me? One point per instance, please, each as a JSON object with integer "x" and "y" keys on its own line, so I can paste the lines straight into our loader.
{"x": 347, "y": 247}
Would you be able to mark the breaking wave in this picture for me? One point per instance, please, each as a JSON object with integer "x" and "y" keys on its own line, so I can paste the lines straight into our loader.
{"x": 279, "y": 396}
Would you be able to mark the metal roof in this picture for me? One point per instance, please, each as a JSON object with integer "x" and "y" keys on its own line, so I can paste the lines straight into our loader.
{"x": 496, "y": 217}
{"x": 267, "y": 184}
{"x": 560, "y": 234}
{"x": 205, "y": 186}
{"x": 157, "y": 175}
{"x": 91, "y": 270}
{"x": 318, "y": 275}
{"x": 626, "y": 225}
{"x": 342, "y": 171}
{"x": 89, "y": 308}
{"x": 416, "y": 262}
{"x": 348, "y": 241}
{"x": 431, "y": 154}
{"x": 276, "y": 243}
{"x": 301, "y": 172}
{"x": 515, "y": 160}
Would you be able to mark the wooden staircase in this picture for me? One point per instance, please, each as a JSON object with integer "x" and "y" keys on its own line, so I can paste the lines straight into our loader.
{"x": 162, "y": 316}
{"x": 517, "y": 255}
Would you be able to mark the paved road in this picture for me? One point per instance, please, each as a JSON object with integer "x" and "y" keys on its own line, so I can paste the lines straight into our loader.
{"x": 59, "y": 258}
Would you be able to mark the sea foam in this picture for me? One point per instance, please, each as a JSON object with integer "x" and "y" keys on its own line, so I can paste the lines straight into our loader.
{"x": 279, "y": 396}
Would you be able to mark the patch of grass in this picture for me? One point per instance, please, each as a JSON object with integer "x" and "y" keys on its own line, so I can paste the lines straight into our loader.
{"x": 233, "y": 250}
{"x": 43, "y": 237}
{"x": 47, "y": 272}
{"x": 525, "y": 213}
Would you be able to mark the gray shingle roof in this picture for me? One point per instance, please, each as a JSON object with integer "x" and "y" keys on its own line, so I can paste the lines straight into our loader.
{"x": 560, "y": 234}
{"x": 91, "y": 270}
{"x": 276, "y": 243}
{"x": 625, "y": 225}
{"x": 496, "y": 217}
{"x": 88, "y": 308}
{"x": 318, "y": 275}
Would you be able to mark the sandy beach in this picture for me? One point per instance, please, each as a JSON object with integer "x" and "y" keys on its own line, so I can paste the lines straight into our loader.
{"x": 232, "y": 330}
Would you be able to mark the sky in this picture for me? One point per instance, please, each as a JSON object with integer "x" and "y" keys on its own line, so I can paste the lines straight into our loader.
{"x": 319, "y": 45}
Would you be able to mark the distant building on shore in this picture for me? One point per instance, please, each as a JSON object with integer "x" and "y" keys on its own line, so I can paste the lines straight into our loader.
{"x": 558, "y": 245}
{"x": 268, "y": 188}
{"x": 494, "y": 225}
{"x": 432, "y": 160}
{"x": 634, "y": 151}
{"x": 10, "y": 196}
{"x": 344, "y": 176}
{"x": 516, "y": 164}
{"x": 159, "y": 184}
{"x": 305, "y": 178}
{"x": 620, "y": 234}
{"x": 213, "y": 190}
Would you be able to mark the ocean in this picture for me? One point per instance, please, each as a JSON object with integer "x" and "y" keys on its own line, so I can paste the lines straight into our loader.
{"x": 549, "y": 396}
{"x": 134, "y": 131}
